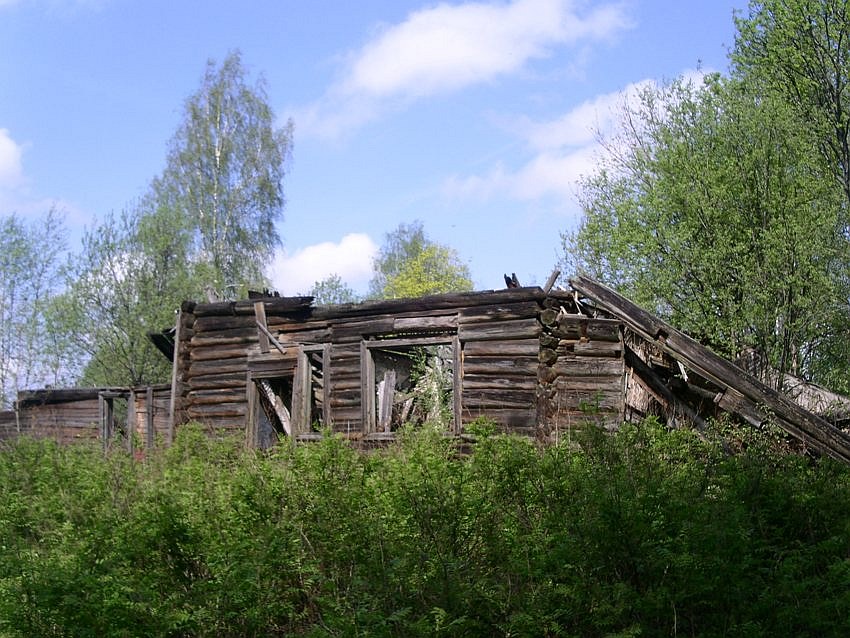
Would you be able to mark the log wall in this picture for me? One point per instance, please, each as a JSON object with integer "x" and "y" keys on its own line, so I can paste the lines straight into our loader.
{"x": 520, "y": 363}
{"x": 581, "y": 373}
{"x": 65, "y": 422}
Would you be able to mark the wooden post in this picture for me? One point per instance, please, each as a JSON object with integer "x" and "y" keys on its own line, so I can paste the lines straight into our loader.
{"x": 262, "y": 333}
{"x": 130, "y": 427}
{"x": 386, "y": 396}
{"x": 327, "y": 421}
{"x": 175, "y": 380}
{"x": 457, "y": 384}
{"x": 251, "y": 425}
{"x": 367, "y": 388}
{"x": 149, "y": 429}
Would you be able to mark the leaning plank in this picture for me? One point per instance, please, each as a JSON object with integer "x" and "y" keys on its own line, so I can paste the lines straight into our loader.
{"x": 265, "y": 388}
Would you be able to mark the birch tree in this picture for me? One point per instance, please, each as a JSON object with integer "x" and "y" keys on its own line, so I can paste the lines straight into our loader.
{"x": 224, "y": 174}
{"x": 30, "y": 255}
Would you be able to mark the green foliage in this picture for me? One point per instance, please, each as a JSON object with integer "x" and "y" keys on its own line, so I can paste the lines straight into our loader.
{"x": 644, "y": 532}
{"x": 410, "y": 264}
{"x": 715, "y": 209}
{"x": 332, "y": 290}
{"x": 130, "y": 278}
{"x": 726, "y": 207}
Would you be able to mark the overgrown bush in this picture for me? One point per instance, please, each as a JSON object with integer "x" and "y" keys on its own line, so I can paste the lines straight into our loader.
{"x": 644, "y": 532}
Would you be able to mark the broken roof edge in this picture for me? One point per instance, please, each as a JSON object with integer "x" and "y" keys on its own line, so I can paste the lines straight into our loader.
{"x": 303, "y": 305}
{"x": 794, "y": 419}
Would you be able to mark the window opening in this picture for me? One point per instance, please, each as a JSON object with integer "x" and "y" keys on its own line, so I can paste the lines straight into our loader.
{"x": 412, "y": 381}
{"x": 275, "y": 416}
{"x": 316, "y": 414}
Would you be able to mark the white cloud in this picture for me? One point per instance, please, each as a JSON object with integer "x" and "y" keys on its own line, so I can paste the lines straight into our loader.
{"x": 448, "y": 47}
{"x": 564, "y": 149}
{"x": 351, "y": 259}
{"x": 11, "y": 168}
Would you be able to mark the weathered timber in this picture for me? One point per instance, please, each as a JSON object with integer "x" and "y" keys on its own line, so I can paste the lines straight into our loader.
{"x": 580, "y": 327}
{"x": 213, "y": 366}
{"x": 217, "y": 353}
{"x": 591, "y": 384}
{"x": 437, "y": 323}
{"x": 489, "y": 382}
{"x": 583, "y": 366}
{"x": 509, "y": 417}
{"x": 343, "y": 331}
{"x": 431, "y": 303}
{"x": 273, "y": 305}
{"x": 262, "y": 334}
{"x": 593, "y": 348}
{"x": 497, "y": 365}
{"x": 303, "y": 335}
{"x": 217, "y": 410}
{"x": 547, "y": 356}
{"x": 199, "y": 397}
{"x": 498, "y": 312}
{"x": 656, "y": 386}
{"x": 513, "y": 348}
{"x": 500, "y": 330}
{"x": 213, "y": 381}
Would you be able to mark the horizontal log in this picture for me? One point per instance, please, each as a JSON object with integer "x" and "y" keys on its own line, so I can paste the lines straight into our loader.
{"x": 245, "y": 334}
{"x": 588, "y": 399}
{"x": 216, "y": 367}
{"x": 346, "y": 417}
{"x": 210, "y": 381}
{"x": 341, "y": 383}
{"x": 432, "y": 304}
{"x": 519, "y": 347}
{"x": 218, "y": 352}
{"x": 590, "y": 384}
{"x": 524, "y": 418}
{"x": 579, "y": 326}
{"x": 485, "y": 382}
{"x": 582, "y": 366}
{"x": 496, "y": 365}
{"x": 294, "y": 306}
{"x": 477, "y": 404}
{"x": 344, "y": 402}
{"x": 425, "y": 324}
{"x": 593, "y": 348}
{"x": 218, "y": 410}
{"x": 354, "y": 329}
{"x": 499, "y": 312}
{"x": 500, "y": 330}
{"x": 303, "y": 336}
{"x": 202, "y": 397}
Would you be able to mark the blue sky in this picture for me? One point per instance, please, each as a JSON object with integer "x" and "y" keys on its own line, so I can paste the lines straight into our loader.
{"x": 476, "y": 118}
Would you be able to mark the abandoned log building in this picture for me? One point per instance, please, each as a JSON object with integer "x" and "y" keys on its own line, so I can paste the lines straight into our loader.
{"x": 536, "y": 362}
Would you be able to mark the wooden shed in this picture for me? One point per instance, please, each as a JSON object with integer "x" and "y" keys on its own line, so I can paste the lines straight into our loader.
{"x": 530, "y": 361}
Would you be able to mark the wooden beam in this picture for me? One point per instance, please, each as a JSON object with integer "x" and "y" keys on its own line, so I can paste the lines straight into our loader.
{"x": 175, "y": 380}
{"x": 272, "y": 339}
{"x": 149, "y": 427}
{"x": 263, "y": 332}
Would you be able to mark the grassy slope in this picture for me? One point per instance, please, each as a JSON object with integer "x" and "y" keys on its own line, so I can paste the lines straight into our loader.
{"x": 647, "y": 532}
